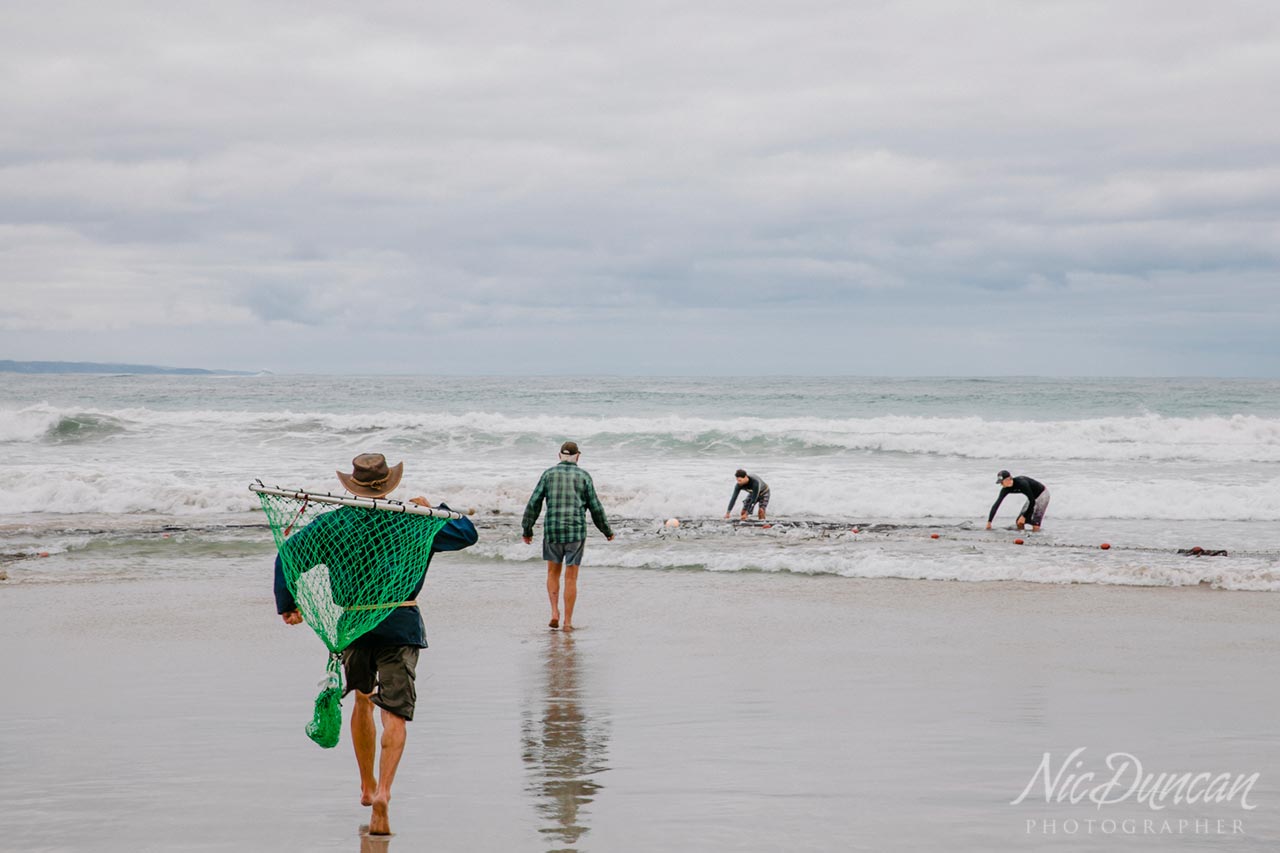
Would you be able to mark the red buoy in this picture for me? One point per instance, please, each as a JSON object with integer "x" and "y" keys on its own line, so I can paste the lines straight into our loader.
{"x": 43, "y": 554}
{"x": 854, "y": 530}
{"x": 1017, "y": 542}
{"x": 933, "y": 536}
{"x": 1105, "y": 546}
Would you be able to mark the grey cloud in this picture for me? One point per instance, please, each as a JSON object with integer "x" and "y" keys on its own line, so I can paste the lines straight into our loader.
{"x": 656, "y": 172}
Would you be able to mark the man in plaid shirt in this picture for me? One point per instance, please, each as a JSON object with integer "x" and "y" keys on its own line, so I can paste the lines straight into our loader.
{"x": 568, "y": 490}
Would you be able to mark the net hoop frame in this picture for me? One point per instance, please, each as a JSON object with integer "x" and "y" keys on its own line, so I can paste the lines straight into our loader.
{"x": 345, "y": 500}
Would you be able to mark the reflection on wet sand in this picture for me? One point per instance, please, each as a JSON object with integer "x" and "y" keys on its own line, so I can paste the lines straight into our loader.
{"x": 374, "y": 843}
{"x": 565, "y": 747}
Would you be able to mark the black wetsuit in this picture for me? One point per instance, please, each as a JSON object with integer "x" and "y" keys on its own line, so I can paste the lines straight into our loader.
{"x": 1026, "y": 486}
{"x": 755, "y": 488}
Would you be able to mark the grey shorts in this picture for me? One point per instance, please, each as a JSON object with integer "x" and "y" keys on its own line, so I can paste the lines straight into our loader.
{"x": 567, "y": 553}
{"x": 387, "y": 673}
{"x": 749, "y": 503}
{"x": 1034, "y": 514}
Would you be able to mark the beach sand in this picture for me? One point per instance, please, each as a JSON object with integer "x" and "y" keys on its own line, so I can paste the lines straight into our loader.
{"x": 691, "y": 711}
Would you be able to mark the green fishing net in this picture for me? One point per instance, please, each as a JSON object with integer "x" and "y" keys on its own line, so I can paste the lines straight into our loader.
{"x": 348, "y": 568}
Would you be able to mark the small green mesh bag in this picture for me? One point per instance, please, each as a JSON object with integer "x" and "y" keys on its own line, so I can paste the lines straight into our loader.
{"x": 349, "y": 563}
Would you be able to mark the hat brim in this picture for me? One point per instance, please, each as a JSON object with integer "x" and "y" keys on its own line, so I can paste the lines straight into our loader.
{"x": 394, "y": 473}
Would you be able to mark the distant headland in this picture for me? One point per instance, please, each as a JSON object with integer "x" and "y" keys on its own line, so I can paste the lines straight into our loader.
{"x": 99, "y": 367}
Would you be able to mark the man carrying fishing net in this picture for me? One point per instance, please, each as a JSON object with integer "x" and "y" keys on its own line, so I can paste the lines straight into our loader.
{"x": 363, "y": 604}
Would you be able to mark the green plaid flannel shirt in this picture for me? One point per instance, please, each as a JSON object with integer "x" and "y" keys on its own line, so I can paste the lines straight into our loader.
{"x": 568, "y": 490}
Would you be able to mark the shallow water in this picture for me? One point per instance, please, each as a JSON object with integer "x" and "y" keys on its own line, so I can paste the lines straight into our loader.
{"x": 102, "y": 547}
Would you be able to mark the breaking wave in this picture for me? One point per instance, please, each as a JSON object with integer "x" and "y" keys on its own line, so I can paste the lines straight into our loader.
{"x": 1213, "y": 438}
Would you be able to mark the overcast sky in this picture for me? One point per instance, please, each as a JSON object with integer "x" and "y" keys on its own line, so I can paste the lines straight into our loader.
{"x": 1058, "y": 188}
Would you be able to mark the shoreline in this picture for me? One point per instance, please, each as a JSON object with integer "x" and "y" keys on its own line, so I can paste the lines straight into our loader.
{"x": 11, "y": 577}
{"x": 1151, "y": 555}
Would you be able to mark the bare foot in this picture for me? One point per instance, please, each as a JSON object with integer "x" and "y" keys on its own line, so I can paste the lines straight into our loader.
{"x": 367, "y": 795}
{"x": 566, "y": 627}
{"x": 554, "y": 623}
{"x": 379, "y": 823}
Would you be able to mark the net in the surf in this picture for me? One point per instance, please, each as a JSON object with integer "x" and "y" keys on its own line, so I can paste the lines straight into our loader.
{"x": 349, "y": 563}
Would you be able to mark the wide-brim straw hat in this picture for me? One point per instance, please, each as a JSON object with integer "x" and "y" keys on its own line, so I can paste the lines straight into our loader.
{"x": 370, "y": 477}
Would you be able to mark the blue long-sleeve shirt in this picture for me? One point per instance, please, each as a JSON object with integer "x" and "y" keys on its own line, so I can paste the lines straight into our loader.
{"x": 403, "y": 626}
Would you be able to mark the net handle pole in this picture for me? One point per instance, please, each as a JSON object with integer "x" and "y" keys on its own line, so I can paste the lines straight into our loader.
{"x": 362, "y": 503}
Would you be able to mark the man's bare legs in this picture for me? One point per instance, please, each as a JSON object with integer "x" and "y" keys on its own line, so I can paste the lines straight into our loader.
{"x": 376, "y": 791}
{"x": 553, "y": 592}
{"x": 364, "y": 737}
{"x": 393, "y": 734}
{"x": 570, "y": 595}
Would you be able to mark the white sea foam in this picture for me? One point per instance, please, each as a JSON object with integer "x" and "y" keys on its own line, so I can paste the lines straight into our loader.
{"x": 27, "y": 424}
{"x": 871, "y": 559}
{"x": 654, "y": 494}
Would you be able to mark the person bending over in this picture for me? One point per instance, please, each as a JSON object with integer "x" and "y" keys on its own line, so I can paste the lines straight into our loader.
{"x": 757, "y": 494}
{"x": 1034, "y": 491}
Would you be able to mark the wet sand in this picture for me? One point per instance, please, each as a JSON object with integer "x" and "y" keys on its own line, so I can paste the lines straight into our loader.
{"x": 691, "y": 711}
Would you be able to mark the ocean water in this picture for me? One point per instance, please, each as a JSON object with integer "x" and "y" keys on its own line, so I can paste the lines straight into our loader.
{"x": 113, "y": 476}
